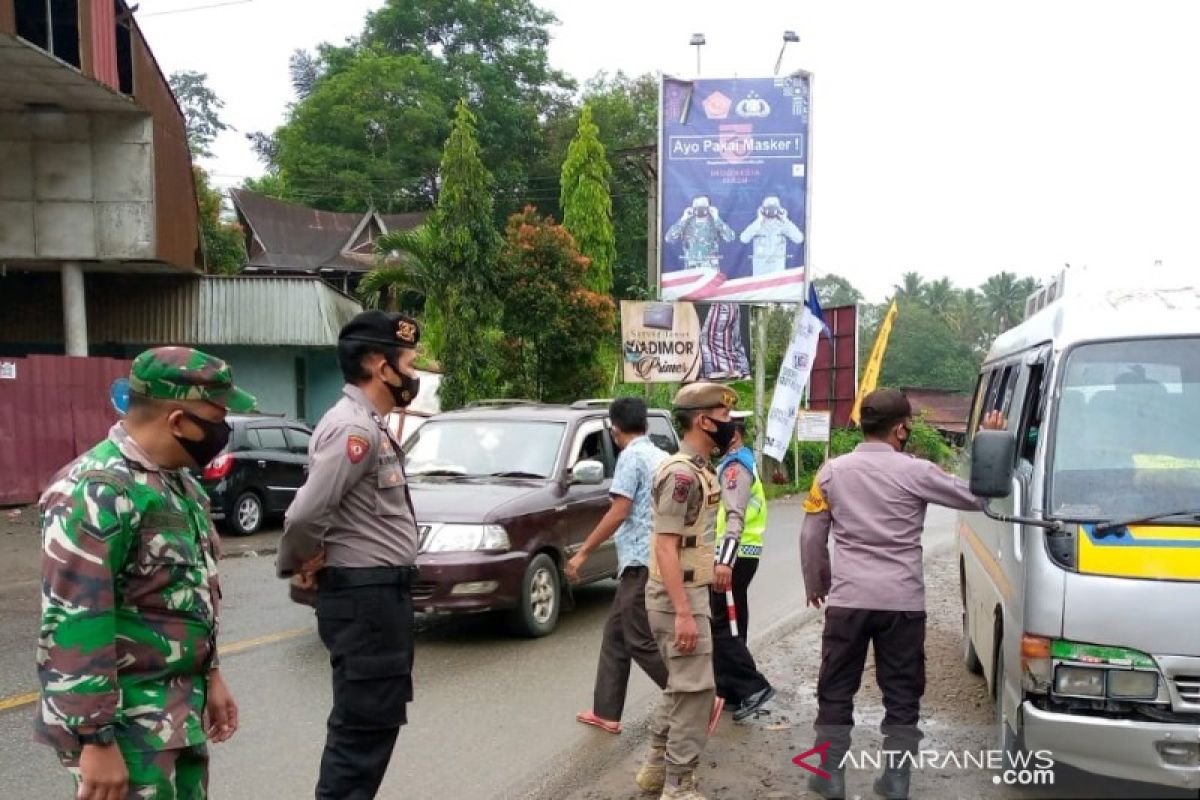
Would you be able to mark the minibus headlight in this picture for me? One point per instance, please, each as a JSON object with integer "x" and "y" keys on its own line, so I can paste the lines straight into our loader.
{"x": 1079, "y": 681}
{"x": 1132, "y": 684}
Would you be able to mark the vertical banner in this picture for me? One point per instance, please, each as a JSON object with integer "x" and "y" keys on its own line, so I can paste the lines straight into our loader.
{"x": 793, "y": 376}
{"x": 733, "y": 189}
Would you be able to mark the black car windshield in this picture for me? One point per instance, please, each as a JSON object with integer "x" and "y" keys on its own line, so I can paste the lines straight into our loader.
{"x": 484, "y": 447}
{"x": 1127, "y": 441}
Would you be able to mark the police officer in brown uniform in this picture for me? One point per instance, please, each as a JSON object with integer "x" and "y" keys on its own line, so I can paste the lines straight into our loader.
{"x": 686, "y": 496}
{"x": 352, "y": 526}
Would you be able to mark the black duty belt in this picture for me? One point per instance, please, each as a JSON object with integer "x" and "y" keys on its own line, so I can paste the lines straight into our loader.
{"x": 351, "y": 577}
{"x": 689, "y": 541}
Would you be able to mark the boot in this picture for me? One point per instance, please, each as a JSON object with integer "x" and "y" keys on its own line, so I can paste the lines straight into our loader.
{"x": 893, "y": 783}
{"x": 681, "y": 787}
{"x": 831, "y": 788}
{"x": 653, "y": 774}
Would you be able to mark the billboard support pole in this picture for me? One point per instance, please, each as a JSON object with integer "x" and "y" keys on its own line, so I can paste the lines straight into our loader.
{"x": 760, "y": 383}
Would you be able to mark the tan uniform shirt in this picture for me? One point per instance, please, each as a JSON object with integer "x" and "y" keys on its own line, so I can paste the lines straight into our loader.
{"x": 355, "y": 503}
{"x": 685, "y": 502}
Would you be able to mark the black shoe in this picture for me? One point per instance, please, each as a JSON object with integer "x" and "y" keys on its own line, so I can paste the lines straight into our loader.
{"x": 893, "y": 784}
{"x": 753, "y": 703}
{"x": 831, "y": 788}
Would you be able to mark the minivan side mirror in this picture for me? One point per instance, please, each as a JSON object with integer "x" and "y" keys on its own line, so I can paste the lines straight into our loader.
{"x": 992, "y": 464}
{"x": 588, "y": 473}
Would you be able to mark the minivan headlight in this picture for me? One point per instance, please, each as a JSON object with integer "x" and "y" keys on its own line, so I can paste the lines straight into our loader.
{"x": 1079, "y": 681}
{"x": 1132, "y": 684}
{"x": 451, "y": 538}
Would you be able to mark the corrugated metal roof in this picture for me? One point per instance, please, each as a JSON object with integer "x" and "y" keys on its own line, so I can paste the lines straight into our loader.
{"x": 214, "y": 310}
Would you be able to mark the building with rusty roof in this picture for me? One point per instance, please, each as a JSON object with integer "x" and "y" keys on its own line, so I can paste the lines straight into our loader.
{"x": 283, "y": 238}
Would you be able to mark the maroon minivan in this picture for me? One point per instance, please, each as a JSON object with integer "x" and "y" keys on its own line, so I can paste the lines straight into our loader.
{"x": 505, "y": 493}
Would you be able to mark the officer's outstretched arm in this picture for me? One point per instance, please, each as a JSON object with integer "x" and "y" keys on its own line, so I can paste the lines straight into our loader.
{"x": 340, "y": 457}
{"x": 87, "y": 533}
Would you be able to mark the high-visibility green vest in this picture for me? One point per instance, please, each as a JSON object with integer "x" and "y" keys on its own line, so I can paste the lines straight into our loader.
{"x": 756, "y": 518}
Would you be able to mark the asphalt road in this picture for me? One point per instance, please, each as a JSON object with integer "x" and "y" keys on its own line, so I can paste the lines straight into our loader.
{"x": 493, "y": 714}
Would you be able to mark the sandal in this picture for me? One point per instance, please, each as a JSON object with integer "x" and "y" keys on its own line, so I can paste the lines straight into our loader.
{"x": 589, "y": 718}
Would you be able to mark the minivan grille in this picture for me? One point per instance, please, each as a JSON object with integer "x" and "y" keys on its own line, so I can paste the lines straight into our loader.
{"x": 1188, "y": 687}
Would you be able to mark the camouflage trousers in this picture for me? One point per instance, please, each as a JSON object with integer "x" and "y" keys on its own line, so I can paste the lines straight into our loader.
{"x": 180, "y": 774}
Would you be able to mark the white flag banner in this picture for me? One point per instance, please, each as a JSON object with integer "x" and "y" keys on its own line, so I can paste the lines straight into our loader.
{"x": 793, "y": 377}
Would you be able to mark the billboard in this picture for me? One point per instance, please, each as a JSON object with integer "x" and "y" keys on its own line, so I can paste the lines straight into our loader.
{"x": 668, "y": 343}
{"x": 733, "y": 193}
{"x": 835, "y": 372}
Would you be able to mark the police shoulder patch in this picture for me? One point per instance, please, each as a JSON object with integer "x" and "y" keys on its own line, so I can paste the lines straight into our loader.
{"x": 683, "y": 486}
{"x": 815, "y": 502}
{"x": 357, "y": 448}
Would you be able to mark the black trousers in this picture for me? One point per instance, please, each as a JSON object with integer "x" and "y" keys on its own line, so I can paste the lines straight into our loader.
{"x": 736, "y": 672}
{"x": 627, "y": 638}
{"x": 365, "y": 619}
{"x": 899, "y": 641}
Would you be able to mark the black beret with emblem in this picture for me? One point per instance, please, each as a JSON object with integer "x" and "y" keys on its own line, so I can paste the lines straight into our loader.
{"x": 386, "y": 328}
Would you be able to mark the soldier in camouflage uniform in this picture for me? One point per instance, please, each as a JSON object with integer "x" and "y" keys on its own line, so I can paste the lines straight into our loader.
{"x": 127, "y": 660}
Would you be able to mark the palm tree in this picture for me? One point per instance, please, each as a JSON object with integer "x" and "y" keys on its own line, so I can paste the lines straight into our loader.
{"x": 1004, "y": 295}
{"x": 912, "y": 287}
{"x": 968, "y": 318}
{"x": 406, "y": 271}
{"x": 940, "y": 296}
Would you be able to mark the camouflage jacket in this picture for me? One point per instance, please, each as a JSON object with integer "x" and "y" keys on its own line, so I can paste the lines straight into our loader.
{"x": 129, "y": 600}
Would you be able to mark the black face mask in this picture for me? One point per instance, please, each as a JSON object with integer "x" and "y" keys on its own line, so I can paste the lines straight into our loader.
{"x": 407, "y": 391}
{"x": 723, "y": 435}
{"x": 204, "y": 450}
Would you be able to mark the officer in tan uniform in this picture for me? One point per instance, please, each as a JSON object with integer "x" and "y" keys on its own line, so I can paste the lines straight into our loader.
{"x": 352, "y": 526}
{"x": 685, "y": 499}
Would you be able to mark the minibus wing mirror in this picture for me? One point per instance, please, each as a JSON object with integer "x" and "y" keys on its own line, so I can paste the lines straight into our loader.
{"x": 992, "y": 459}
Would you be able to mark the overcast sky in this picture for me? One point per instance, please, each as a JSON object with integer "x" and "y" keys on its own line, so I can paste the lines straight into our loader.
{"x": 952, "y": 138}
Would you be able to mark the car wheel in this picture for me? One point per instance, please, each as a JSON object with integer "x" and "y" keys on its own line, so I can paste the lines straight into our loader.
{"x": 246, "y": 517}
{"x": 541, "y": 599}
{"x": 969, "y": 656}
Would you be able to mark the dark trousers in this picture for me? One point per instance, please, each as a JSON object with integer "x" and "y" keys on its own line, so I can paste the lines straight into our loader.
{"x": 365, "y": 619}
{"x": 899, "y": 641}
{"x": 736, "y": 672}
{"x": 627, "y": 638}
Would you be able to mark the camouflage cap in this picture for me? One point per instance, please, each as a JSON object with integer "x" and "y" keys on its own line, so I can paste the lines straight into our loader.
{"x": 181, "y": 373}
{"x": 704, "y": 394}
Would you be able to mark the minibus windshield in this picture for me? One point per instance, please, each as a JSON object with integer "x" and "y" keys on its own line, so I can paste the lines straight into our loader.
{"x": 1127, "y": 430}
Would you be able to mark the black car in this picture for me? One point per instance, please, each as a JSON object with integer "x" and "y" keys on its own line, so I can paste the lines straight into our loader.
{"x": 259, "y": 472}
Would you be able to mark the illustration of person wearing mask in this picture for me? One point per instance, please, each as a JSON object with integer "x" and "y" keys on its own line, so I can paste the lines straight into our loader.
{"x": 702, "y": 230}
{"x": 770, "y": 231}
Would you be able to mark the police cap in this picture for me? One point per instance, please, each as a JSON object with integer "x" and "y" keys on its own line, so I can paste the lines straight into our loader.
{"x": 704, "y": 395}
{"x": 884, "y": 405}
{"x": 386, "y": 328}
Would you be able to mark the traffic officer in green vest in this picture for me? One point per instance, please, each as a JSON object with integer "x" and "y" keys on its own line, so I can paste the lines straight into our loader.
{"x": 685, "y": 498}
{"x": 741, "y": 522}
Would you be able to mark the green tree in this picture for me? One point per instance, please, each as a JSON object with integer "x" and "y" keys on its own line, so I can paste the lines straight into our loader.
{"x": 834, "y": 291}
{"x": 554, "y": 325}
{"x": 201, "y": 110}
{"x": 587, "y": 205}
{"x": 940, "y": 296}
{"x": 911, "y": 287}
{"x": 371, "y": 116}
{"x": 367, "y": 135}
{"x": 409, "y": 278}
{"x": 223, "y": 244}
{"x": 1004, "y": 296}
{"x": 924, "y": 353}
{"x": 466, "y": 245}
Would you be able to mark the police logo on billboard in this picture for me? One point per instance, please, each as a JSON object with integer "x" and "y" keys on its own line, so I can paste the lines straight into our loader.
{"x": 716, "y": 106}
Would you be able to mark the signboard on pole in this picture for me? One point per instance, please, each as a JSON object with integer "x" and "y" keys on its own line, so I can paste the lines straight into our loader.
{"x": 667, "y": 343}
{"x": 733, "y": 193}
{"x": 835, "y": 372}
{"x": 812, "y": 426}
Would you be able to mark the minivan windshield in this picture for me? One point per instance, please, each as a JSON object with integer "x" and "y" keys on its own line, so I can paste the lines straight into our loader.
{"x": 476, "y": 447}
{"x": 1127, "y": 442}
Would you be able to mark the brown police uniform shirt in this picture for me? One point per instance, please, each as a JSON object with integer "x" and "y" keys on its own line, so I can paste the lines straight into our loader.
{"x": 354, "y": 503}
{"x": 678, "y": 500}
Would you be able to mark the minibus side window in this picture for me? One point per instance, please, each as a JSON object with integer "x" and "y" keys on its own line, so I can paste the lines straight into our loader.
{"x": 977, "y": 406}
{"x": 1031, "y": 425}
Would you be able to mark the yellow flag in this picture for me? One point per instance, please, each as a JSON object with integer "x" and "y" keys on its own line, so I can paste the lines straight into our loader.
{"x": 870, "y": 376}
